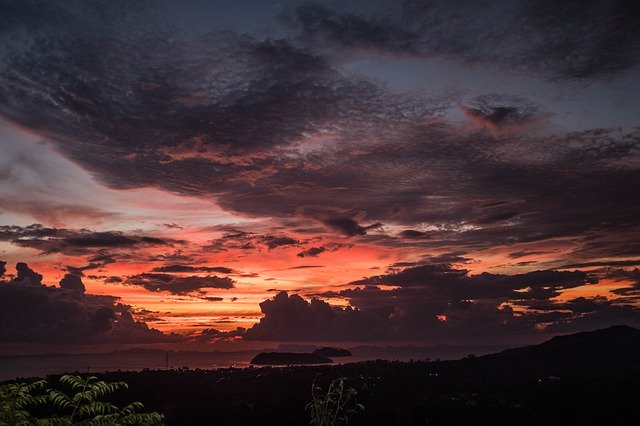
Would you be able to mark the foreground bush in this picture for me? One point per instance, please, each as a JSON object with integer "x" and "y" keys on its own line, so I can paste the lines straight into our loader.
{"x": 335, "y": 407}
{"x": 83, "y": 405}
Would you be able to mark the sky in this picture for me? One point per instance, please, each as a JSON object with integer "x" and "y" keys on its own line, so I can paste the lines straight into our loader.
{"x": 229, "y": 173}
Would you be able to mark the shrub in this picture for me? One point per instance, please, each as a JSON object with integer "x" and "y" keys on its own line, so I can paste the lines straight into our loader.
{"x": 83, "y": 406}
{"x": 335, "y": 407}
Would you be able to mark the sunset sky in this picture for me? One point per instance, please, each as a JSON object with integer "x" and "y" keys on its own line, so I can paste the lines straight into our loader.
{"x": 233, "y": 172}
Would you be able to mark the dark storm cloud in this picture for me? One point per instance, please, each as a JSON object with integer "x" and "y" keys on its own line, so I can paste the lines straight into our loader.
{"x": 268, "y": 128}
{"x": 26, "y": 276}
{"x": 413, "y": 234}
{"x": 441, "y": 281}
{"x": 349, "y": 227}
{"x": 293, "y": 318}
{"x": 193, "y": 268}
{"x": 178, "y": 284}
{"x": 73, "y": 283}
{"x": 574, "y": 39}
{"x": 632, "y": 275}
{"x": 611, "y": 263}
{"x": 579, "y": 305}
{"x": 32, "y": 312}
{"x": 438, "y": 302}
{"x": 71, "y": 241}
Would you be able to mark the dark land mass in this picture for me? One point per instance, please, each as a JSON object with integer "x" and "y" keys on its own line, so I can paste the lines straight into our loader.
{"x": 582, "y": 379}
{"x": 135, "y": 359}
{"x": 288, "y": 358}
{"x": 331, "y": 352}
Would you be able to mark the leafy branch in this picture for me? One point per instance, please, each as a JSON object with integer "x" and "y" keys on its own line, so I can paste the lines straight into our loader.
{"x": 82, "y": 406}
{"x": 335, "y": 407}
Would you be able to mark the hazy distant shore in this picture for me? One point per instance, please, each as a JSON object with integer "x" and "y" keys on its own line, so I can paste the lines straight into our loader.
{"x": 12, "y": 367}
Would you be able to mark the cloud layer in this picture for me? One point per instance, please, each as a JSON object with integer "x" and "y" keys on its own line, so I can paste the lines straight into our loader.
{"x": 311, "y": 157}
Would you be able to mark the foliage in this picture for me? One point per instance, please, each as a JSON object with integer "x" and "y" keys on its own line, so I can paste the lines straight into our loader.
{"x": 16, "y": 398}
{"x": 82, "y": 406}
{"x": 335, "y": 407}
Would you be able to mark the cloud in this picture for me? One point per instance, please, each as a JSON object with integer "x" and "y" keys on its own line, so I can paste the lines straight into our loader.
{"x": 178, "y": 284}
{"x": 193, "y": 268}
{"x": 73, "y": 283}
{"x": 278, "y": 132}
{"x": 349, "y": 227}
{"x": 272, "y": 241}
{"x": 211, "y": 335}
{"x": 437, "y": 302}
{"x": 499, "y": 113}
{"x": 275, "y": 130}
{"x": 442, "y": 282}
{"x": 325, "y": 248}
{"x": 312, "y": 252}
{"x": 32, "y": 312}
{"x": 579, "y": 40}
{"x": 26, "y": 276}
{"x": 70, "y": 241}
{"x": 293, "y": 318}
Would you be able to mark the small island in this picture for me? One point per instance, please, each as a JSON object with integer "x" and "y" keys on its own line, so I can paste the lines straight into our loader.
{"x": 331, "y": 352}
{"x": 289, "y": 358}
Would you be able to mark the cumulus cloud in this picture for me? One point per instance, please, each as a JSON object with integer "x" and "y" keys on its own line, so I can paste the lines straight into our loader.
{"x": 26, "y": 276}
{"x": 33, "y": 312}
{"x": 437, "y": 302}
{"x": 73, "y": 283}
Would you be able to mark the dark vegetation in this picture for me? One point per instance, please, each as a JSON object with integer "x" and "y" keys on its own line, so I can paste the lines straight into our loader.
{"x": 74, "y": 401}
{"x": 582, "y": 379}
{"x": 288, "y": 358}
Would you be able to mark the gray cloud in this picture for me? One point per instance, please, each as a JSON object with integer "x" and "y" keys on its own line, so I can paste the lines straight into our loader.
{"x": 193, "y": 268}
{"x": 349, "y": 227}
{"x": 178, "y": 284}
{"x": 83, "y": 241}
{"x": 312, "y": 252}
{"x": 576, "y": 39}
